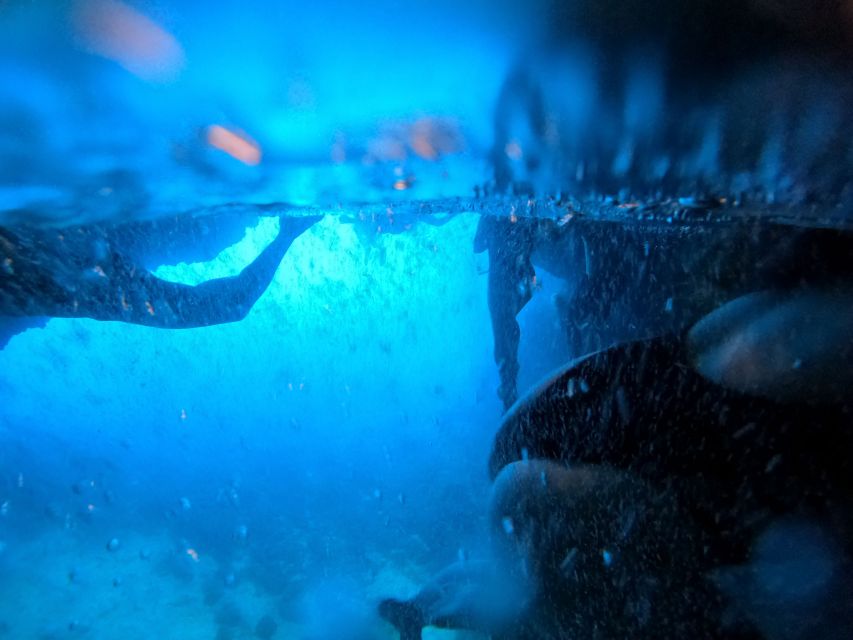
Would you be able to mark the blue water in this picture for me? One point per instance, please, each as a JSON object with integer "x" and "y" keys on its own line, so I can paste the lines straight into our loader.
{"x": 342, "y": 423}
{"x": 330, "y": 448}
{"x": 277, "y": 475}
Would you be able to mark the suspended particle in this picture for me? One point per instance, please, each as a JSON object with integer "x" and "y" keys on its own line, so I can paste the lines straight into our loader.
{"x": 773, "y": 463}
{"x": 569, "y": 560}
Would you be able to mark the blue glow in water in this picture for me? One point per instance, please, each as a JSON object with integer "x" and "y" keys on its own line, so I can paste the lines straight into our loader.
{"x": 259, "y": 455}
{"x": 314, "y": 84}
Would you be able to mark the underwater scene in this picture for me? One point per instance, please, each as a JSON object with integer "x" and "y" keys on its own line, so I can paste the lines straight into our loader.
{"x": 426, "y": 319}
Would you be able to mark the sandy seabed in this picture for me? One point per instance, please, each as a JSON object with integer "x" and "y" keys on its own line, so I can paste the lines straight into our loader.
{"x": 61, "y": 584}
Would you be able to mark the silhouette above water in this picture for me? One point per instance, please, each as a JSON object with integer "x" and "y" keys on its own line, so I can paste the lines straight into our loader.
{"x": 103, "y": 272}
{"x": 662, "y": 99}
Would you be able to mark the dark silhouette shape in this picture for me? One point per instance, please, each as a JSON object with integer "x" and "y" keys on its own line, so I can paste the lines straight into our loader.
{"x": 783, "y": 345}
{"x": 734, "y": 461}
{"x": 696, "y": 100}
{"x": 477, "y": 595}
{"x": 630, "y": 281}
{"x": 406, "y": 616}
{"x": 633, "y": 490}
{"x": 510, "y": 245}
{"x": 679, "y": 98}
{"x": 737, "y": 466}
{"x": 586, "y": 551}
{"x": 101, "y": 272}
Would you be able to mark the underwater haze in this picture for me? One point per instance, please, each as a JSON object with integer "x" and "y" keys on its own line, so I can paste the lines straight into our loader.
{"x": 325, "y": 450}
{"x": 296, "y": 452}
{"x": 426, "y": 319}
